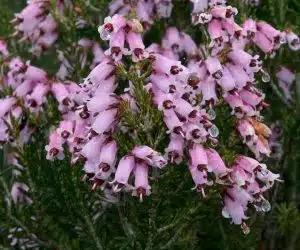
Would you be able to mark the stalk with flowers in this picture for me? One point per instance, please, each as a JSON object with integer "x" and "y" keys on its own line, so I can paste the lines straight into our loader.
{"x": 130, "y": 111}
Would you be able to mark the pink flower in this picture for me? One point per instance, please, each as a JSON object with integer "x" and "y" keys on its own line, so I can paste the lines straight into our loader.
{"x": 214, "y": 67}
{"x": 141, "y": 183}
{"x": 166, "y": 66}
{"x": 250, "y": 28}
{"x": 216, "y": 164}
{"x": 3, "y": 48}
{"x": 293, "y": 40}
{"x": 105, "y": 121}
{"x": 223, "y": 11}
{"x": 136, "y": 46}
{"x": 61, "y": 93}
{"x": 124, "y": 169}
{"x": 116, "y": 46}
{"x": 102, "y": 101}
{"x": 217, "y": 34}
{"x": 54, "y": 148}
{"x": 175, "y": 149}
{"x": 198, "y": 157}
{"x": 107, "y": 158}
{"x": 242, "y": 58}
{"x": 18, "y": 193}
{"x": 111, "y": 26}
{"x": 38, "y": 95}
{"x": 235, "y": 204}
{"x": 227, "y": 82}
{"x": 65, "y": 129}
{"x": 6, "y": 105}
{"x": 150, "y": 156}
{"x": 208, "y": 90}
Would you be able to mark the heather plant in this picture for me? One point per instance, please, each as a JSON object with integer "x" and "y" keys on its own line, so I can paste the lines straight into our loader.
{"x": 149, "y": 124}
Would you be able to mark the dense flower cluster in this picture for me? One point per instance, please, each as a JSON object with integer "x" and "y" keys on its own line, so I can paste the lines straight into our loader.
{"x": 185, "y": 81}
{"x": 88, "y": 128}
{"x": 36, "y": 25}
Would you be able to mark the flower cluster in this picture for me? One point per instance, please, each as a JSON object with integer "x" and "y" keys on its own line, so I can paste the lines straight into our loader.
{"x": 146, "y": 10}
{"x": 36, "y": 25}
{"x": 88, "y": 128}
{"x": 184, "y": 82}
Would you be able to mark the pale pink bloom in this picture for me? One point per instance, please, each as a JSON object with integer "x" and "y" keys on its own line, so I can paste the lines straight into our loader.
{"x": 18, "y": 193}
{"x": 223, "y": 12}
{"x": 107, "y": 159}
{"x": 38, "y": 95}
{"x": 200, "y": 179}
{"x": 286, "y": 75}
{"x": 183, "y": 107}
{"x": 105, "y": 121}
{"x": 100, "y": 73}
{"x": 6, "y": 105}
{"x": 54, "y": 148}
{"x": 208, "y": 90}
{"x": 137, "y": 47}
{"x": 216, "y": 164}
{"x": 242, "y": 58}
{"x": 268, "y": 178}
{"x": 261, "y": 146}
{"x": 150, "y": 156}
{"x": 236, "y": 104}
{"x": 270, "y": 32}
{"x": 3, "y": 48}
{"x": 102, "y": 101}
{"x": 172, "y": 40}
{"x": 124, "y": 169}
{"x": 241, "y": 177}
{"x": 250, "y": 97}
{"x": 227, "y": 82}
{"x": 111, "y": 26}
{"x": 175, "y": 149}
{"x": 239, "y": 74}
{"x": 217, "y": 34}
{"x": 16, "y": 65}
{"x": 116, "y": 46}
{"x": 65, "y": 128}
{"x": 166, "y": 66}
{"x": 235, "y": 204}
{"x": 189, "y": 45}
{"x": 61, "y": 94}
{"x": 142, "y": 187}
{"x": 172, "y": 122}
{"x": 23, "y": 89}
{"x": 98, "y": 54}
{"x": 198, "y": 157}
{"x": 233, "y": 29}
{"x": 263, "y": 42}
{"x": 196, "y": 133}
{"x": 91, "y": 149}
{"x": 293, "y": 40}
{"x": 214, "y": 67}
{"x": 85, "y": 43}
{"x": 250, "y": 28}
{"x": 247, "y": 163}
{"x": 162, "y": 81}
{"x": 247, "y": 132}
